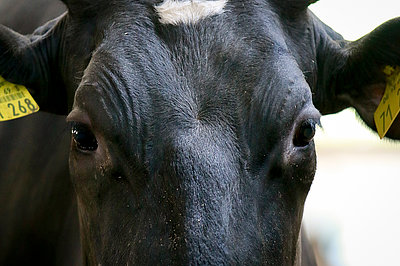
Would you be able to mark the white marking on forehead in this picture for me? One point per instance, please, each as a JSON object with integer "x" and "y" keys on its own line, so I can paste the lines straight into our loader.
{"x": 188, "y": 11}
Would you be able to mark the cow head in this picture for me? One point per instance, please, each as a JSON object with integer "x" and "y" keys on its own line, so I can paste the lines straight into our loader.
{"x": 193, "y": 121}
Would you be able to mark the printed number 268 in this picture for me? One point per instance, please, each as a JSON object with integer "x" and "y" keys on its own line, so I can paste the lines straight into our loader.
{"x": 21, "y": 107}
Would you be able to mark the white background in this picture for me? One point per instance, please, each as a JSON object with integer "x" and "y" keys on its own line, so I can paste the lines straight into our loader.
{"x": 353, "y": 209}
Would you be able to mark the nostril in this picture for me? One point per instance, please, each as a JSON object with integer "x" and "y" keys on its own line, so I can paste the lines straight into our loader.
{"x": 305, "y": 133}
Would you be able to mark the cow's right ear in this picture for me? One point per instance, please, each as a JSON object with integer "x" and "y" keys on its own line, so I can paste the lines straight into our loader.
{"x": 33, "y": 61}
{"x": 351, "y": 74}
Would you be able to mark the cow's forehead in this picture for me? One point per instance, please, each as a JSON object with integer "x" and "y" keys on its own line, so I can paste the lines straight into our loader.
{"x": 205, "y": 65}
{"x": 176, "y": 12}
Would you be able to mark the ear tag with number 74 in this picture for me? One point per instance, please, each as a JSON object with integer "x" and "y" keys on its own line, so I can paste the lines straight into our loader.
{"x": 389, "y": 107}
{"x": 15, "y": 101}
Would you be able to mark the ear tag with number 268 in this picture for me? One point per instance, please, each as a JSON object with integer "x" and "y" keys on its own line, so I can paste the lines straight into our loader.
{"x": 389, "y": 107}
{"x": 15, "y": 101}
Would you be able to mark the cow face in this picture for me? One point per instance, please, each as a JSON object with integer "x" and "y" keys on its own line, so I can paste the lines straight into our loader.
{"x": 192, "y": 121}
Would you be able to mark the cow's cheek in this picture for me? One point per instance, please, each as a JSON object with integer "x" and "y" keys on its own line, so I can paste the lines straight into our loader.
{"x": 303, "y": 165}
{"x": 88, "y": 171}
{"x": 83, "y": 174}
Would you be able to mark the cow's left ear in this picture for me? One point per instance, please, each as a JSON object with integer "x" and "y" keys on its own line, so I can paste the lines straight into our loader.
{"x": 33, "y": 61}
{"x": 351, "y": 74}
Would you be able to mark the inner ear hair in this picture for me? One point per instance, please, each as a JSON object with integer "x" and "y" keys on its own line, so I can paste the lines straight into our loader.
{"x": 356, "y": 75}
{"x": 368, "y": 56}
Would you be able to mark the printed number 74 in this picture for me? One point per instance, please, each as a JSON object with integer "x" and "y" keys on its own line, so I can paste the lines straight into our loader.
{"x": 386, "y": 113}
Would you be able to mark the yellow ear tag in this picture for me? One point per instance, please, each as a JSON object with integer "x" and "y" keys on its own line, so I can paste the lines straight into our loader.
{"x": 389, "y": 107}
{"x": 15, "y": 101}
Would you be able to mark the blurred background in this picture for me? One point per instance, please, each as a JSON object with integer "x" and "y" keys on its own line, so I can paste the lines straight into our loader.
{"x": 353, "y": 210}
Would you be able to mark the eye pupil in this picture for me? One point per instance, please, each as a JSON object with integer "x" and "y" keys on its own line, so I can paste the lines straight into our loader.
{"x": 305, "y": 134}
{"x": 83, "y": 137}
{"x": 308, "y": 133}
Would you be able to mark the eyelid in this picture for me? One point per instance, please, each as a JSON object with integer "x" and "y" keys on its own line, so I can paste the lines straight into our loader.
{"x": 315, "y": 121}
{"x": 310, "y": 114}
{"x": 79, "y": 116}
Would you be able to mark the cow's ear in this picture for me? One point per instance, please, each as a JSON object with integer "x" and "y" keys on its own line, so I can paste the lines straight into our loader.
{"x": 79, "y": 8}
{"x": 293, "y": 7}
{"x": 351, "y": 74}
{"x": 33, "y": 61}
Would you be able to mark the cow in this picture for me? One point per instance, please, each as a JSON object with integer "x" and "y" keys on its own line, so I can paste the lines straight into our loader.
{"x": 192, "y": 122}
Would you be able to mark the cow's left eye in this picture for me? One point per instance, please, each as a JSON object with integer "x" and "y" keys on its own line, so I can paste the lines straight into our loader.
{"x": 83, "y": 137}
{"x": 305, "y": 133}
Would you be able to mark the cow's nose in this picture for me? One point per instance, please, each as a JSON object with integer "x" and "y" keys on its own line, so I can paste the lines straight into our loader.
{"x": 205, "y": 163}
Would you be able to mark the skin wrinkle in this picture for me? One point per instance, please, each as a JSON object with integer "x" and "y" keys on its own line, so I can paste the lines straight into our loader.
{"x": 177, "y": 114}
{"x": 201, "y": 122}
{"x": 180, "y": 101}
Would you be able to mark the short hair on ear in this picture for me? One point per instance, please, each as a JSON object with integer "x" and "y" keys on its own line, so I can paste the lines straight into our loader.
{"x": 351, "y": 73}
{"x": 33, "y": 62}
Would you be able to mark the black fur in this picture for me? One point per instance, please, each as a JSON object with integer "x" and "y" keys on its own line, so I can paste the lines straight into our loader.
{"x": 196, "y": 125}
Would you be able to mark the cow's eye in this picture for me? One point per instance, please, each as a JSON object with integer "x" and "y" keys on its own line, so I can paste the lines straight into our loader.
{"x": 305, "y": 133}
{"x": 83, "y": 137}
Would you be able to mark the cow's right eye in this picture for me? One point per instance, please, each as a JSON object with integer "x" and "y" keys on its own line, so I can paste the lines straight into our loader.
{"x": 83, "y": 137}
{"x": 305, "y": 133}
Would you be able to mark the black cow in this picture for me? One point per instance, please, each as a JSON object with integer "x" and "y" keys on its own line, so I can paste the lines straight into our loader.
{"x": 192, "y": 121}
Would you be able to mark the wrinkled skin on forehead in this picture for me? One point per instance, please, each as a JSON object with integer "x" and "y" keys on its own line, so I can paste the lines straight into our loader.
{"x": 192, "y": 143}
{"x": 195, "y": 160}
